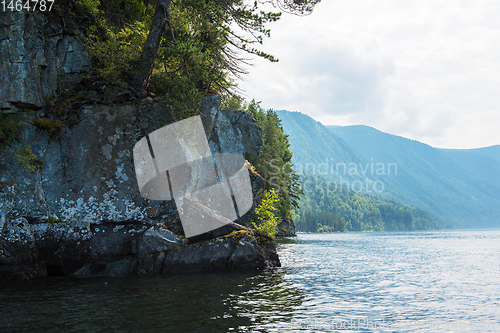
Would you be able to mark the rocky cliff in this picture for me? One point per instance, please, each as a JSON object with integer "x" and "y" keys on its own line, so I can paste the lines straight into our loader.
{"x": 69, "y": 200}
{"x": 39, "y": 57}
{"x": 74, "y": 206}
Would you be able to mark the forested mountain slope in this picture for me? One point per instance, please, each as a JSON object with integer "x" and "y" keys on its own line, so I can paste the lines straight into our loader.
{"x": 412, "y": 172}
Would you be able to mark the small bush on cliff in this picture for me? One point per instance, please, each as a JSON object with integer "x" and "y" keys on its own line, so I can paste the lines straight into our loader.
{"x": 266, "y": 215}
{"x": 9, "y": 128}
{"x": 88, "y": 6}
{"x": 48, "y": 124}
{"x": 27, "y": 159}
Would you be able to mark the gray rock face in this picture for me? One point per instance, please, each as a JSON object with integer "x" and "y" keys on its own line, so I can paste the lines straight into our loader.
{"x": 87, "y": 173}
{"x": 80, "y": 212}
{"x": 37, "y": 56}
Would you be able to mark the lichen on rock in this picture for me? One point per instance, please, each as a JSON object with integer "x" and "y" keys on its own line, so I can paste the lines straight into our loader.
{"x": 104, "y": 226}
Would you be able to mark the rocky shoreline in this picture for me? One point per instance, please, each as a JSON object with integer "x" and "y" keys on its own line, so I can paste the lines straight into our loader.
{"x": 79, "y": 211}
{"x": 69, "y": 199}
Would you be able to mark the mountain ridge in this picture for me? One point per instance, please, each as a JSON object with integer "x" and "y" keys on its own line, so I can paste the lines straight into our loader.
{"x": 440, "y": 180}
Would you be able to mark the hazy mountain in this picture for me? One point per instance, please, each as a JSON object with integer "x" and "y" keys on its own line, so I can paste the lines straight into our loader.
{"x": 313, "y": 144}
{"x": 482, "y": 162}
{"x": 492, "y": 151}
{"x": 460, "y": 185}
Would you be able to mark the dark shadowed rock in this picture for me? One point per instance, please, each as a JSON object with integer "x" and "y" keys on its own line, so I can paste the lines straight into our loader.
{"x": 286, "y": 228}
{"x": 19, "y": 256}
{"x": 117, "y": 268}
{"x": 238, "y": 250}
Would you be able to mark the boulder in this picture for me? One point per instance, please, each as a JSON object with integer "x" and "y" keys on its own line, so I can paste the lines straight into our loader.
{"x": 69, "y": 199}
{"x": 238, "y": 250}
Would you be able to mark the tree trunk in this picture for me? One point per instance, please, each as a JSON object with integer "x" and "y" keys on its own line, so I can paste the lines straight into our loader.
{"x": 144, "y": 67}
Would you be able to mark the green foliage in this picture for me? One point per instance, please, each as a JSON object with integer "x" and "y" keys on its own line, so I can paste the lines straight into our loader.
{"x": 230, "y": 102}
{"x": 198, "y": 52}
{"x": 53, "y": 220}
{"x": 188, "y": 62}
{"x": 215, "y": 25}
{"x": 266, "y": 215}
{"x": 274, "y": 161}
{"x": 114, "y": 31}
{"x": 9, "y": 127}
{"x": 115, "y": 49}
{"x": 27, "y": 159}
{"x": 124, "y": 11}
{"x": 320, "y": 221}
{"x": 90, "y": 7}
{"x": 47, "y": 124}
{"x": 117, "y": 12}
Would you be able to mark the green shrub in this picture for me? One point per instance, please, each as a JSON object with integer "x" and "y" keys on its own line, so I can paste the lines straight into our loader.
{"x": 117, "y": 50}
{"x": 27, "y": 159}
{"x": 265, "y": 214}
{"x": 48, "y": 124}
{"x": 88, "y": 6}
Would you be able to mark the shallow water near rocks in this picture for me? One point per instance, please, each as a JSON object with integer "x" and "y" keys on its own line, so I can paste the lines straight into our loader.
{"x": 394, "y": 282}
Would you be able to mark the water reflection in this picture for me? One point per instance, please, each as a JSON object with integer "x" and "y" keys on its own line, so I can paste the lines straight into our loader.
{"x": 400, "y": 279}
{"x": 205, "y": 302}
{"x": 393, "y": 278}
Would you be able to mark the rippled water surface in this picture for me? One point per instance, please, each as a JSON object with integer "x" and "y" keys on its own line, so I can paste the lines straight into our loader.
{"x": 367, "y": 282}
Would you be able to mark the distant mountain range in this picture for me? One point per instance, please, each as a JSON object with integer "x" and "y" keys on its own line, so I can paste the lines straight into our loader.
{"x": 462, "y": 185}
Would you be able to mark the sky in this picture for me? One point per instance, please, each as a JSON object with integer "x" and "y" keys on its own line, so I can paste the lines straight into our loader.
{"x": 425, "y": 70}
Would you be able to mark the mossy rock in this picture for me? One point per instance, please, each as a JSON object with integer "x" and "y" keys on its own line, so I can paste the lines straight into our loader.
{"x": 53, "y": 220}
{"x": 48, "y": 124}
{"x": 238, "y": 235}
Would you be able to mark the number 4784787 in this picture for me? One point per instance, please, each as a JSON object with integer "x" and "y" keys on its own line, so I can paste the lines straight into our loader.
{"x": 28, "y": 5}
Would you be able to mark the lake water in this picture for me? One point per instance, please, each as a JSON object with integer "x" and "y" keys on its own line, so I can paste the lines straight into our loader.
{"x": 446, "y": 281}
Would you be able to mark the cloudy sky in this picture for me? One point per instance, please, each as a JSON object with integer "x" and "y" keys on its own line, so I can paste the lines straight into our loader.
{"x": 425, "y": 70}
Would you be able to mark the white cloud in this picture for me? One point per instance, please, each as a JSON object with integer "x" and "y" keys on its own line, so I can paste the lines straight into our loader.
{"x": 427, "y": 70}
